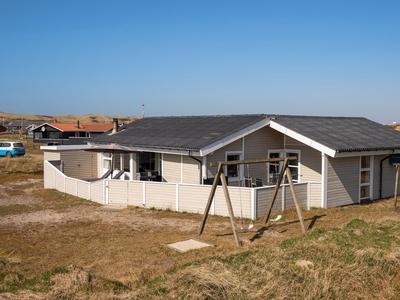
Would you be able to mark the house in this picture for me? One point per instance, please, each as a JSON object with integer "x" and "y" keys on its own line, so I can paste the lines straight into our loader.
{"x": 3, "y": 128}
{"x": 31, "y": 125}
{"x": 340, "y": 161}
{"x": 15, "y": 125}
{"x": 68, "y": 133}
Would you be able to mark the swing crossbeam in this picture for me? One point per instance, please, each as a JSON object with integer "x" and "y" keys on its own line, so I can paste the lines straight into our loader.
{"x": 220, "y": 176}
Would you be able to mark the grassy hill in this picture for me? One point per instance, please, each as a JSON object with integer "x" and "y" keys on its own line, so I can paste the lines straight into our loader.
{"x": 89, "y": 118}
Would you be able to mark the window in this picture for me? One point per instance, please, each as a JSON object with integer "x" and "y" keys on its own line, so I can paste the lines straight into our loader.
{"x": 54, "y": 135}
{"x": 149, "y": 162}
{"x": 107, "y": 161}
{"x": 38, "y": 135}
{"x": 274, "y": 168}
{"x": 233, "y": 171}
{"x": 365, "y": 177}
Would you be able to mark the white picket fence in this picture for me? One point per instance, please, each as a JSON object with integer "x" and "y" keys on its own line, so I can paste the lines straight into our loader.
{"x": 246, "y": 202}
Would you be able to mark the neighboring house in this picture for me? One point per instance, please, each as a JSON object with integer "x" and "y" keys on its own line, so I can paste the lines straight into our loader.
{"x": 2, "y": 128}
{"x": 31, "y": 125}
{"x": 15, "y": 125}
{"x": 68, "y": 133}
{"x": 340, "y": 161}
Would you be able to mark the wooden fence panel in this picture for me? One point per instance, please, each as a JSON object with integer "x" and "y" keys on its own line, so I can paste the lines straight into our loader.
{"x": 118, "y": 192}
{"x": 160, "y": 195}
{"x": 71, "y": 186}
{"x": 193, "y": 198}
{"x": 97, "y": 191}
{"x": 135, "y": 193}
{"x": 84, "y": 189}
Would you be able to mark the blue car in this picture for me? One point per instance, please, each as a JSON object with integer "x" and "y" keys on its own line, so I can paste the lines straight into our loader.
{"x": 10, "y": 149}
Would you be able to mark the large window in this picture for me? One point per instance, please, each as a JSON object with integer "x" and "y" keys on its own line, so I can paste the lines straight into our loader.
{"x": 365, "y": 177}
{"x": 149, "y": 162}
{"x": 274, "y": 168}
{"x": 55, "y": 135}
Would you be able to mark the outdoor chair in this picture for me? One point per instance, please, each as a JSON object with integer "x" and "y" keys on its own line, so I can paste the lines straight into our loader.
{"x": 118, "y": 175}
{"x": 105, "y": 175}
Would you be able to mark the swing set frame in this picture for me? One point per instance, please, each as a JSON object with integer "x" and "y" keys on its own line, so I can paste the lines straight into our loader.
{"x": 221, "y": 176}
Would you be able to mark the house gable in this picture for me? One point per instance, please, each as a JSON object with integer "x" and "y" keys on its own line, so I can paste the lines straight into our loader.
{"x": 339, "y": 136}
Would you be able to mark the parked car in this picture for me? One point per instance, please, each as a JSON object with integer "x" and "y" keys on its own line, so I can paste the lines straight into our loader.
{"x": 10, "y": 149}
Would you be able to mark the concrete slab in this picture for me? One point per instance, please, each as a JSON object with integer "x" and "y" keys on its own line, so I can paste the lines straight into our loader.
{"x": 111, "y": 208}
{"x": 187, "y": 245}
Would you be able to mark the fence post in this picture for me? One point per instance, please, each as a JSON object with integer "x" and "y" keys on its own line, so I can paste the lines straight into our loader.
{"x": 177, "y": 197}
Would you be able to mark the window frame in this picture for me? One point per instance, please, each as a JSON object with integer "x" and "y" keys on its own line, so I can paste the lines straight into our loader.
{"x": 241, "y": 169}
{"x": 281, "y": 154}
{"x": 368, "y": 184}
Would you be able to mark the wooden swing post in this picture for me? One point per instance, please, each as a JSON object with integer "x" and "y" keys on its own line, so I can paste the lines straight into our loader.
{"x": 220, "y": 176}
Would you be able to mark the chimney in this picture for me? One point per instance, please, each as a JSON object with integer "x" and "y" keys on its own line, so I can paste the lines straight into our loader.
{"x": 115, "y": 127}
{"x": 78, "y": 125}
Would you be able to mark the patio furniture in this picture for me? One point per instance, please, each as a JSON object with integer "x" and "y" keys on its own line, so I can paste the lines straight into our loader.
{"x": 248, "y": 182}
{"x": 105, "y": 175}
{"x": 118, "y": 175}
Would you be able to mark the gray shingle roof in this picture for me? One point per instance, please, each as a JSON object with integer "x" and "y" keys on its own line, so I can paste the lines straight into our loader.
{"x": 343, "y": 134}
{"x": 180, "y": 133}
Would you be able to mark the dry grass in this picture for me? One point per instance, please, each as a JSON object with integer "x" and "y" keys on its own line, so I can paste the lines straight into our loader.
{"x": 56, "y": 246}
{"x": 23, "y": 164}
{"x": 89, "y": 118}
{"x": 31, "y": 162}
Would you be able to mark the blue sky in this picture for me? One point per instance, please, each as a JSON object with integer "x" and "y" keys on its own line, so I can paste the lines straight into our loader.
{"x": 328, "y": 58}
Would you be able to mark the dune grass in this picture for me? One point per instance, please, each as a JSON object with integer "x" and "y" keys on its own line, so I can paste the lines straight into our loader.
{"x": 357, "y": 261}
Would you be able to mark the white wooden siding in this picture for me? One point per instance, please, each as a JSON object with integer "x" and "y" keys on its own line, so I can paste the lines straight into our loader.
{"x": 315, "y": 194}
{"x": 97, "y": 191}
{"x": 79, "y": 164}
{"x": 172, "y": 168}
{"x": 51, "y": 155}
{"x": 60, "y": 181}
{"x": 49, "y": 175}
{"x": 193, "y": 198}
{"x": 135, "y": 193}
{"x": 310, "y": 165}
{"x": 190, "y": 171}
{"x": 118, "y": 192}
{"x": 343, "y": 181}
{"x": 83, "y": 189}
{"x": 71, "y": 186}
{"x": 160, "y": 195}
{"x": 264, "y": 196}
{"x": 301, "y": 193}
{"x": 256, "y": 147}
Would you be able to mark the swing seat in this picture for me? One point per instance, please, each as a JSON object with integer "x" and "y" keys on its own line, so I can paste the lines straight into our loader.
{"x": 248, "y": 227}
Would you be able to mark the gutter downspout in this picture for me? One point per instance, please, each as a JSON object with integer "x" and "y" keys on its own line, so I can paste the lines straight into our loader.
{"x": 380, "y": 175}
{"x": 200, "y": 166}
